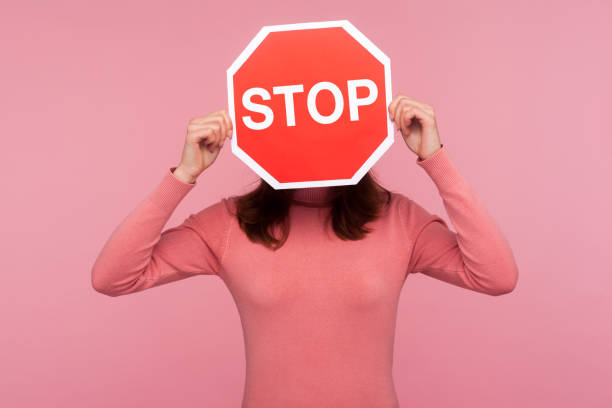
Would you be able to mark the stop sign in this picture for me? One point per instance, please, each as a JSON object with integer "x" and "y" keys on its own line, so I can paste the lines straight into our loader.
{"x": 308, "y": 103}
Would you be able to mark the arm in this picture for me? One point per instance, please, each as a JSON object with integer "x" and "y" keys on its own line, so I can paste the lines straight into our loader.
{"x": 138, "y": 255}
{"x": 477, "y": 256}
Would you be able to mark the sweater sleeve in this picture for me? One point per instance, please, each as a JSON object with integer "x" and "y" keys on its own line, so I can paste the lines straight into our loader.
{"x": 477, "y": 256}
{"x": 139, "y": 255}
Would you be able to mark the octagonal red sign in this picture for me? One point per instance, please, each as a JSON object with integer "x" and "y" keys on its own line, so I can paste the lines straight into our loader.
{"x": 308, "y": 103}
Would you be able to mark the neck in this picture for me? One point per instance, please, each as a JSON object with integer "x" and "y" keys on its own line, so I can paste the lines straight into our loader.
{"x": 313, "y": 196}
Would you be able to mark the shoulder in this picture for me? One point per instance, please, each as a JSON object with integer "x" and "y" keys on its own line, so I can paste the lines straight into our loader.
{"x": 409, "y": 212}
{"x": 405, "y": 205}
{"x": 218, "y": 210}
{"x": 212, "y": 222}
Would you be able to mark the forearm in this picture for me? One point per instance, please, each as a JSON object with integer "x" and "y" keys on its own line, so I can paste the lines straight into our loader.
{"x": 125, "y": 258}
{"x": 485, "y": 255}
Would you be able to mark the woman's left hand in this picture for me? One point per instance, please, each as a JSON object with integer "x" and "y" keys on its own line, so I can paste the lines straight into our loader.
{"x": 417, "y": 123}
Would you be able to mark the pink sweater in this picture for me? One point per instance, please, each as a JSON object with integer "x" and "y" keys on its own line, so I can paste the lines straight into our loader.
{"x": 319, "y": 313}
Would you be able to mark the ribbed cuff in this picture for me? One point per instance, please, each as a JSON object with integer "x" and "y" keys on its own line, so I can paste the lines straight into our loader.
{"x": 441, "y": 169}
{"x": 170, "y": 191}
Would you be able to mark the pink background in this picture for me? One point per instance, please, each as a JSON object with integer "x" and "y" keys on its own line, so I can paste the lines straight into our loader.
{"x": 95, "y": 101}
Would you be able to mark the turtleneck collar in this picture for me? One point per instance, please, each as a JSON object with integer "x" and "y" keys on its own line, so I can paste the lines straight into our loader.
{"x": 313, "y": 196}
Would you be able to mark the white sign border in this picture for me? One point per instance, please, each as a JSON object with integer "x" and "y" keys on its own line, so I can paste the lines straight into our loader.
{"x": 367, "y": 44}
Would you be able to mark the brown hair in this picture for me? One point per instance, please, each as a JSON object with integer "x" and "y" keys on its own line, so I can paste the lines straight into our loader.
{"x": 263, "y": 209}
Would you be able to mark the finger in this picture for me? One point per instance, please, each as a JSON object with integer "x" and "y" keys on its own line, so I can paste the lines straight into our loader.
{"x": 414, "y": 112}
{"x": 393, "y": 105}
{"x": 215, "y": 128}
{"x": 229, "y": 123}
{"x": 206, "y": 135}
{"x": 213, "y": 148}
{"x": 411, "y": 101}
{"x": 209, "y": 143}
{"x": 396, "y": 112}
{"x": 399, "y": 107}
{"x": 222, "y": 126}
{"x": 223, "y": 118}
{"x": 208, "y": 119}
{"x": 207, "y": 123}
{"x": 399, "y": 99}
{"x": 204, "y": 118}
{"x": 227, "y": 119}
{"x": 423, "y": 106}
{"x": 201, "y": 119}
{"x": 405, "y": 117}
{"x": 219, "y": 132}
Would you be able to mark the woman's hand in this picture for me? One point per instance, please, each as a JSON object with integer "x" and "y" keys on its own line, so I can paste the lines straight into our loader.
{"x": 204, "y": 140}
{"x": 416, "y": 121}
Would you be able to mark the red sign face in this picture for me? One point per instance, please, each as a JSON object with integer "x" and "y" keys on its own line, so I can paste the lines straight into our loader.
{"x": 309, "y": 104}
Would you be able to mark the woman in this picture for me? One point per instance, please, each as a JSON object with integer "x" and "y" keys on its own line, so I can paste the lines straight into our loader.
{"x": 318, "y": 304}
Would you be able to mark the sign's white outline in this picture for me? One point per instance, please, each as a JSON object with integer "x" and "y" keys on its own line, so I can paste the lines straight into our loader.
{"x": 367, "y": 44}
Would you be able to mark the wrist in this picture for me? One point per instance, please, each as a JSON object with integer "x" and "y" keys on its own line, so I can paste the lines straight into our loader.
{"x": 184, "y": 176}
{"x": 428, "y": 155}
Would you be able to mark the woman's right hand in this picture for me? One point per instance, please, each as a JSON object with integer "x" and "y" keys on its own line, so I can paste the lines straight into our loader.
{"x": 205, "y": 137}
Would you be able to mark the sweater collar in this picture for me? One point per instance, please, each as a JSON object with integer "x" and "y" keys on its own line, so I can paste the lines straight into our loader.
{"x": 313, "y": 196}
